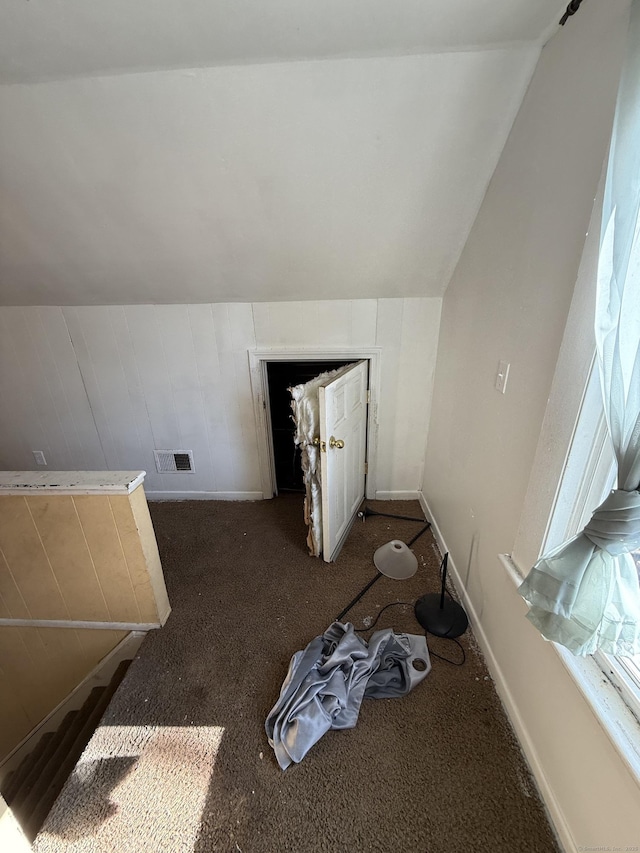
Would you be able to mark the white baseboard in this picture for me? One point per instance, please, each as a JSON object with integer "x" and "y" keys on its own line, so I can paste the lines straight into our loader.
{"x": 556, "y": 815}
{"x": 204, "y": 496}
{"x": 74, "y": 624}
{"x": 437, "y": 535}
{"x": 99, "y": 676}
{"x": 397, "y": 496}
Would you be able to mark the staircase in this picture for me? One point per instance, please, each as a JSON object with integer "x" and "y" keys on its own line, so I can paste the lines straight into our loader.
{"x": 31, "y": 790}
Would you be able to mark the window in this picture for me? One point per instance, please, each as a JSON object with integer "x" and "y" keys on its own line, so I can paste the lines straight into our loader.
{"x": 588, "y": 476}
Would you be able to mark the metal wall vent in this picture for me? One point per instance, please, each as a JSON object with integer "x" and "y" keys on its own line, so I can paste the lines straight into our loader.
{"x": 174, "y": 461}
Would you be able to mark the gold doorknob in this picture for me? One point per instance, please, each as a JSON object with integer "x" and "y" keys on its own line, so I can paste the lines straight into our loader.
{"x": 336, "y": 442}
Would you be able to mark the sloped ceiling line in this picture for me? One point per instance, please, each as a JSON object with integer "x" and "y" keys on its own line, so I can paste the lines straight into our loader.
{"x": 59, "y": 39}
{"x": 336, "y": 179}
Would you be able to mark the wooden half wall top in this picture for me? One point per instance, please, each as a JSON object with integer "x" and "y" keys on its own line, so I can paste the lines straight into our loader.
{"x": 79, "y": 547}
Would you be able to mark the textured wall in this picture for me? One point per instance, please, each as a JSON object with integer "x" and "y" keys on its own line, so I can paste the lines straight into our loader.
{"x": 509, "y": 299}
{"x": 101, "y": 387}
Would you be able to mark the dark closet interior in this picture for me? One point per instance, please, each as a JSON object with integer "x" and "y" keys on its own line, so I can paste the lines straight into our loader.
{"x": 281, "y": 376}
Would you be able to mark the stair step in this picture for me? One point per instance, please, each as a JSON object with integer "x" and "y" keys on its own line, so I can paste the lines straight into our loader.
{"x": 26, "y": 798}
{"x": 12, "y": 783}
{"x": 42, "y": 796}
{"x": 40, "y": 762}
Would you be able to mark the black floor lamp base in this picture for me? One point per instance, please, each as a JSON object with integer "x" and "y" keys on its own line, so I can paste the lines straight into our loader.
{"x": 438, "y": 613}
{"x": 442, "y": 619}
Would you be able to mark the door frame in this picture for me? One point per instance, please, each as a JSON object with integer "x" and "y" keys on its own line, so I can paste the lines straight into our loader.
{"x": 258, "y": 359}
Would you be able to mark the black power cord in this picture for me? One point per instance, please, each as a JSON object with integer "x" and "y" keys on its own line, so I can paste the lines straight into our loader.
{"x": 447, "y": 660}
{"x": 431, "y": 653}
{"x": 367, "y": 511}
{"x": 393, "y": 604}
{"x": 364, "y": 514}
{"x": 378, "y": 575}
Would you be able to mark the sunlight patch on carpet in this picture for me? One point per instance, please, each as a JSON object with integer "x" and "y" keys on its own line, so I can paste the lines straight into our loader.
{"x": 136, "y": 788}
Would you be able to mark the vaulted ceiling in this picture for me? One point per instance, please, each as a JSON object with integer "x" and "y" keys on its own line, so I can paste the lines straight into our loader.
{"x": 44, "y": 39}
{"x": 174, "y": 151}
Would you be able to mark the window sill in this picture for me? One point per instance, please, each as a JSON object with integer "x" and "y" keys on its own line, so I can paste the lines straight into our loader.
{"x": 610, "y": 709}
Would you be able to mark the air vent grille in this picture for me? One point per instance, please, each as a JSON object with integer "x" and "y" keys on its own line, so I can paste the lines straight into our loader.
{"x": 174, "y": 461}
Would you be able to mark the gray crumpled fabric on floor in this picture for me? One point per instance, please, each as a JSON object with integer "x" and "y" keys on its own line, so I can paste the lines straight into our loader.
{"x": 327, "y": 682}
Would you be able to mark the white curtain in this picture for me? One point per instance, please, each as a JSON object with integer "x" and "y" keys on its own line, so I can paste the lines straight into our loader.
{"x": 585, "y": 594}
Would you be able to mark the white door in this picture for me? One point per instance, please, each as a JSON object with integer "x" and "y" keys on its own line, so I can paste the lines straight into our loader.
{"x": 343, "y": 437}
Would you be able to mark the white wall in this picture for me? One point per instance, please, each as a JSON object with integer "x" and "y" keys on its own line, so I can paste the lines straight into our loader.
{"x": 43, "y": 402}
{"x": 336, "y": 179}
{"x": 509, "y": 299}
{"x": 102, "y": 387}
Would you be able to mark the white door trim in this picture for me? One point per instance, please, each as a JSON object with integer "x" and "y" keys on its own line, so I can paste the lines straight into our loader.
{"x": 258, "y": 359}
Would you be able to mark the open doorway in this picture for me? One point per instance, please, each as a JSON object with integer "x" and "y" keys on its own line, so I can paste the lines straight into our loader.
{"x": 330, "y": 429}
{"x": 282, "y": 375}
{"x": 355, "y": 387}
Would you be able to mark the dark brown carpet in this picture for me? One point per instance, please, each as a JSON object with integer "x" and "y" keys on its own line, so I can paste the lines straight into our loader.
{"x": 438, "y": 771}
